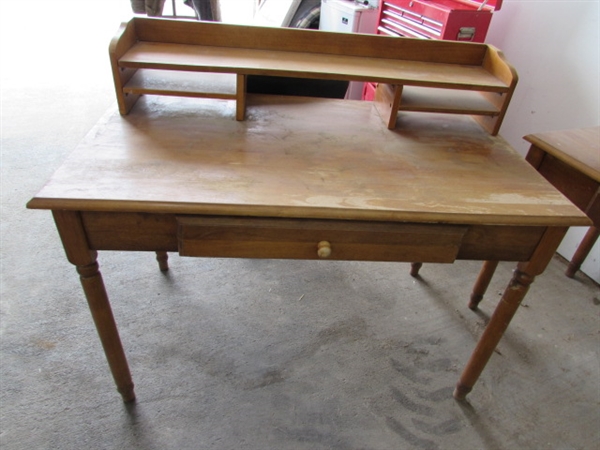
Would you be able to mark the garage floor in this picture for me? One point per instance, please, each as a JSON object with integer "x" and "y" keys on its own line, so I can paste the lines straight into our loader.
{"x": 253, "y": 354}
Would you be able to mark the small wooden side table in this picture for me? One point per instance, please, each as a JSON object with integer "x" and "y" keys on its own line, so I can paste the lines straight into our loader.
{"x": 570, "y": 160}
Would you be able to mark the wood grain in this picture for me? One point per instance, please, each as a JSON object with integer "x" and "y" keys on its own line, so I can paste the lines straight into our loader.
{"x": 579, "y": 148}
{"x": 308, "y": 64}
{"x": 300, "y": 40}
{"x": 302, "y": 158}
{"x": 446, "y": 101}
{"x": 300, "y": 238}
{"x": 167, "y": 82}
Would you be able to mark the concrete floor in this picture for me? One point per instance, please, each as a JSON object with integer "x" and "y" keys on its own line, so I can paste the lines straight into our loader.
{"x": 253, "y": 354}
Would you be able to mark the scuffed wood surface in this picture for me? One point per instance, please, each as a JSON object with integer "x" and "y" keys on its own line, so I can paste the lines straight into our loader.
{"x": 302, "y": 158}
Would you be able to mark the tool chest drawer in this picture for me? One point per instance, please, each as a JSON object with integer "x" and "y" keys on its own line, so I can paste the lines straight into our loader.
{"x": 457, "y": 20}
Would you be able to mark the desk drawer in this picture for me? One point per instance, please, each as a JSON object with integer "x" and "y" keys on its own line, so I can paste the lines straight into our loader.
{"x": 243, "y": 237}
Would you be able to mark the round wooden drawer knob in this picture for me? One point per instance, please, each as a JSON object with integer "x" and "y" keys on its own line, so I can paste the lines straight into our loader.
{"x": 323, "y": 249}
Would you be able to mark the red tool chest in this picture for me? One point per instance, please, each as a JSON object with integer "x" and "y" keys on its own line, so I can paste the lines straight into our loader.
{"x": 455, "y": 20}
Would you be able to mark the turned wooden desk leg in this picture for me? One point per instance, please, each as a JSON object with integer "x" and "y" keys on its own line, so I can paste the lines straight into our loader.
{"x": 482, "y": 283}
{"x": 78, "y": 253}
{"x": 414, "y": 269}
{"x": 506, "y": 309}
{"x": 163, "y": 261}
{"x": 582, "y": 251}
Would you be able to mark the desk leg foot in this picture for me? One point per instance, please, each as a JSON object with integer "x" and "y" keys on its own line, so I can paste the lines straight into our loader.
{"x": 482, "y": 283}
{"x": 460, "y": 392}
{"x": 414, "y": 269}
{"x": 582, "y": 251}
{"x": 163, "y": 261}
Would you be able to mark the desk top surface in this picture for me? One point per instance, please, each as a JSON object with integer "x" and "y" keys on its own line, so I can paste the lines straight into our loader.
{"x": 578, "y": 147}
{"x": 303, "y": 158}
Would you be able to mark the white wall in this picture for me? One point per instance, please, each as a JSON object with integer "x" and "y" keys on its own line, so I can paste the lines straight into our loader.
{"x": 555, "y": 48}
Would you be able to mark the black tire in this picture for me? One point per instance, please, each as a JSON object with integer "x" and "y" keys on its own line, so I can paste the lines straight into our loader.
{"x": 307, "y": 15}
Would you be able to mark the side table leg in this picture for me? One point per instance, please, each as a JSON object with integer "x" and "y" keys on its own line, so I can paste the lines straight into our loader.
{"x": 482, "y": 283}
{"x": 582, "y": 251}
{"x": 78, "y": 253}
{"x": 506, "y": 309}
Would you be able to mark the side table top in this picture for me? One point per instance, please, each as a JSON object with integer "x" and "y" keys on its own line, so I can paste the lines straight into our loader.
{"x": 579, "y": 147}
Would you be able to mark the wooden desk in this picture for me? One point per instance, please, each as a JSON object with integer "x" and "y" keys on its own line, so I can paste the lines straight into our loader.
{"x": 301, "y": 178}
{"x": 570, "y": 160}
